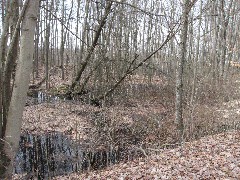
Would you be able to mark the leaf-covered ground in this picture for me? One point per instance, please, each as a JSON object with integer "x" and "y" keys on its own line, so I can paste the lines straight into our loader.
{"x": 211, "y": 157}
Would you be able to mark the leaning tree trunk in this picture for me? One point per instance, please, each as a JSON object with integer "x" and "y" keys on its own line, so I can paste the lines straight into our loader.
{"x": 11, "y": 57}
{"x": 91, "y": 49}
{"x": 22, "y": 79}
{"x": 3, "y": 50}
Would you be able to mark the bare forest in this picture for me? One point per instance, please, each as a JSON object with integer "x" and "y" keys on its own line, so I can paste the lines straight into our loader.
{"x": 120, "y": 89}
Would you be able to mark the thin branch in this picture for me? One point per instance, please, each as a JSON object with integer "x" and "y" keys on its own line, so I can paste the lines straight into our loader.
{"x": 171, "y": 34}
{"x": 135, "y": 7}
{"x": 69, "y": 30}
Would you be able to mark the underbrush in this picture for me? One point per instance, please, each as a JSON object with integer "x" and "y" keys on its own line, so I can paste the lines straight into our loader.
{"x": 139, "y": 115}
{"x": 144, "y": 129}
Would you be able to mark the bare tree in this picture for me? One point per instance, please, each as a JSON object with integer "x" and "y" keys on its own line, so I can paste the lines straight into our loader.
{"x": 3, "y": 50}
{"x": 11, "y": 58}
{"x": 179, "y": 78}
{"x": 91, "y": 49}
{"x": 22, "y": 79}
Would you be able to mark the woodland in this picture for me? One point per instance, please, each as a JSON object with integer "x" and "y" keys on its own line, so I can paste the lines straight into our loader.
{"x": 119, "y": 89}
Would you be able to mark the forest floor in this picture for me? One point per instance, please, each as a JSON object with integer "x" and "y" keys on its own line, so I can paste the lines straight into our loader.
{"x": 210, "y": 157}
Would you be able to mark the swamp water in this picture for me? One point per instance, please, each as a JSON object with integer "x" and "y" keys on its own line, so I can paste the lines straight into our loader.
{"x": 52, "y": 154}
{"x": 44, "y": 156}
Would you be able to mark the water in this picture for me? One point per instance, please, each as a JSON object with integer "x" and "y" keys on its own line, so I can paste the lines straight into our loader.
{"x": 54, "y": 154}
{"x": 39, "y": 97}
{"x": 42, "y": 97}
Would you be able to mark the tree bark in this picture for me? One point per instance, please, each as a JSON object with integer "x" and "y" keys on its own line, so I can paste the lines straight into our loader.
{"x": 3, "y": 47}
{"x": 84, "y": 30}
{"x": 179, "y": 78}
{"x": 22, "y": 79}
{"x": 11, "y": 57}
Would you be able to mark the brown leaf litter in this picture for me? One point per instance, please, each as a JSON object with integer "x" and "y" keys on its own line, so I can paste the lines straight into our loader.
{"x": 211, "y": 157}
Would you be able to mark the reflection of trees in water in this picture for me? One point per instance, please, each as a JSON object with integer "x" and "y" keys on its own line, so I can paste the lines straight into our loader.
{"x": 56, "y": 154}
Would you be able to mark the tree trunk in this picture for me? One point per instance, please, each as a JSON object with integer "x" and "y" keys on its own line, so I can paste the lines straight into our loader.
{"x": 47, "y": 36}
{"x": 179, "y": 78}
{"x": 11, "y": 58}
{"x": 225, "y": 22}
{"x": 22, "y": 79}
{"x": 91, "y": 49}
{"x": 3, "y": 11}
{"x": 196, "y": 64}
{"x": 3, "y": 49}
{"x": 84, "y": 30}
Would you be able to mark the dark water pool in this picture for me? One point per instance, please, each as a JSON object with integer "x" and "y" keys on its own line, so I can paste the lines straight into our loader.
{"x": 54, "y": 154}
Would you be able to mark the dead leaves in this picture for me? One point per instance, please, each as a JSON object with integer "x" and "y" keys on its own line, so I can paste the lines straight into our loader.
{"x": 212, "y": 157}
{"x": 60, "y": 116}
